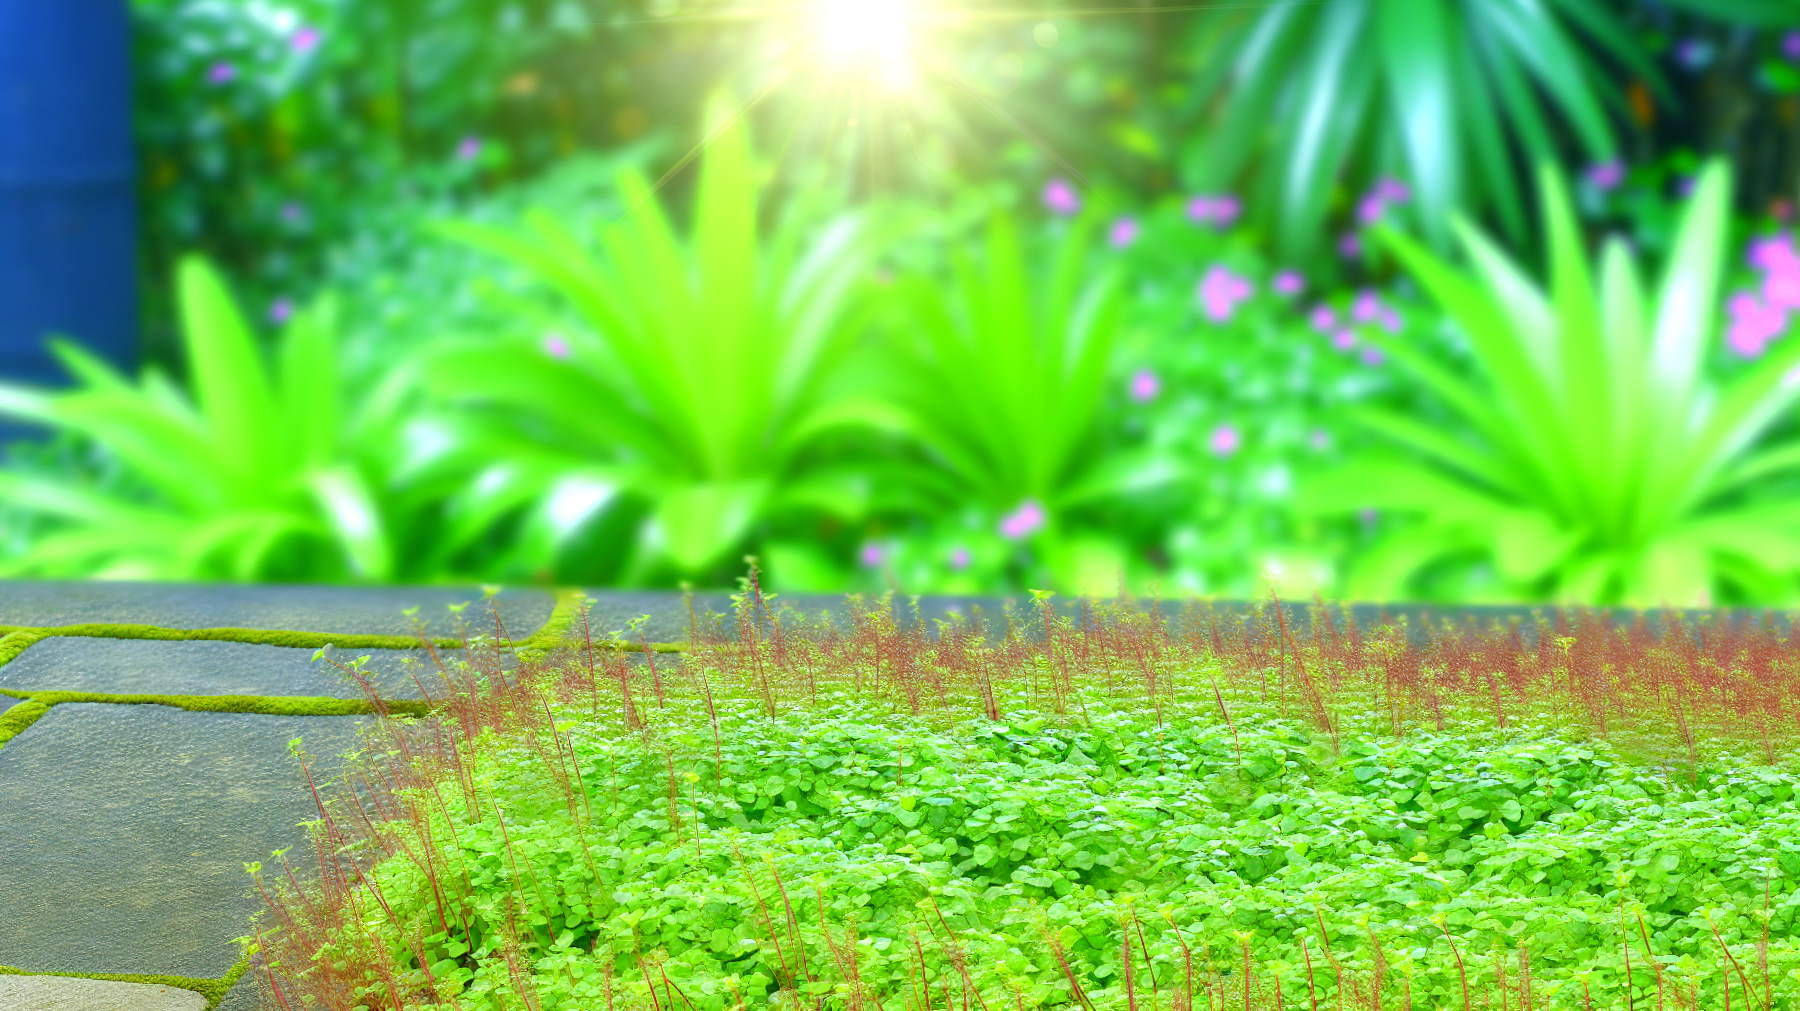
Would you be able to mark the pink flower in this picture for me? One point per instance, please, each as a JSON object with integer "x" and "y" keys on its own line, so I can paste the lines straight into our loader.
{"x": 1024, "y": 521}
{"x": 1225, "y": 440}
{"x": 221, "y": 73}
{"x": 871, "y": 555}
{"x": 1060, "y": 197}
{"x": 1389, "y": 319}
{"x": 1323, "y": 318}
{"x": 469, "y": 148}
{"x": 1607, "y": 175}
{"x": 1775, "y": 255}
{"x": 1754, "y": 323}
{"x": 304, "y": 40}
{"x": 1145, "y": 386}
{"x": 1392, "y": 190}
{"x": 1366, "y": 307}
{"x": 959, "y": 558}
{"x": 280, "y": 311}
{"x": 1220, "y": 210}
{"x": 1370, "y": 209}
{"x": 555, "y": 346}
{"x": 1350, "y": 246}
{"x": 1373, "y": 356}
{"x": 1220, "y": 292}
{"x": 1790, "y": 45}
{"x": 1288, "y": 282}
{"x": 1124, "y": 232}
{"x": 1343, "y": 340}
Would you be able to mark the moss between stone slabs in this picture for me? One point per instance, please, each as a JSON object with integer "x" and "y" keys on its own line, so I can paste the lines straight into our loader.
{"x": 14, "y": 721}
{"x": 213, "y": 990}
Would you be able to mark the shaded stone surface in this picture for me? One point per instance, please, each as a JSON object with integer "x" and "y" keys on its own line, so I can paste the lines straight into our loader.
{"x": 366, "y": 609}
{"x": 155, "y": 667}
{"x": 127, "y": 828}
{"x": 245, "y": 995}
{"x": 7, "y": 701}
{"x": 63, "y": 993}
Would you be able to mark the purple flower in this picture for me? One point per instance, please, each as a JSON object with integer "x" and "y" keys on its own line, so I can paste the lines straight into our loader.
{"x": 290, "y": 212}
{"x": 1754, "y": 323}
{"x": 1320, "y": 440}
{"x": 1372, "y": 356}
{"x": 1323, "y": 318}
{"x": 1225, "y": 440}
{"x": 555, "y": 346}
{"x": 1220, "y": 292}
{"x": 1288, "y": 282}
{"x": 1145, "y": 386}
{"x": 1060, "y": 197}
{"x": 1684, "y": 187}
{"x": 469, "y": 148}
{"x": 1607, "y": 175}
{"x": 1220, "y": 210}
{"x": 1790, "y": 46}
{"x": 1370, "y": 209}
{"x": 871, "y": 555}
{"x": 959, "y": 558}
{"x": 1343, "y": 340}
{"x": 1694, "y": 54}
{"x": 1124, "y": 232}
{"x": 1350, "y": 246}
{"x": 280, "y": 311}
{"x": 1024, "y": 521}
{"x": 1366, "y": 307}
{"x": 221, "y": 73}
{"x": 1389, "y": 319}
{"x": 304, "y": 40}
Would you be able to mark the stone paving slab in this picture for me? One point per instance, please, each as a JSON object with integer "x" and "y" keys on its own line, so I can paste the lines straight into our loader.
{"x": 126, "y": 829}
{"x": 62, "y": 993}
{"x": 366, "y": 609}
{"x": 151, "y": 667}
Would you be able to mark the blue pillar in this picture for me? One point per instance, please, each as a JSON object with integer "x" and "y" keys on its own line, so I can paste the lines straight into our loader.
{"x": 68, "y": 260}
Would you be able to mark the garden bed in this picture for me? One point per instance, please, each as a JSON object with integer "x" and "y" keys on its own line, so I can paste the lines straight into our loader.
{"x": 1197, "y": 808}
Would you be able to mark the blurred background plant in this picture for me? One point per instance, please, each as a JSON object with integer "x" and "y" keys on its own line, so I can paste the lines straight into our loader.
{"x": 1113, "y": 264}
{"x": 1600, "y": 460}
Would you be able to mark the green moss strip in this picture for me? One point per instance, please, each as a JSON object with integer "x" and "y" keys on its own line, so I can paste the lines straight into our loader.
{"x": 213, "y": 990}
{"x": 258, "y": 636}
{"x": 14, "y": 721}
{"x": 265, "y": 705}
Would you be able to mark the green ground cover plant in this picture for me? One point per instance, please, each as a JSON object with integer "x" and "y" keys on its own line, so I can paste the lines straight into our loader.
{"x": 1128, "y": 806}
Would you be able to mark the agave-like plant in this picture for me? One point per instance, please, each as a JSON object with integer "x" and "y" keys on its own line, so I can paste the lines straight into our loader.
{"x": 253, "y": 477}
{"x": 999, "y": 379}
{"x": 1594, "y": 458}
{"x": 697, "y": 375}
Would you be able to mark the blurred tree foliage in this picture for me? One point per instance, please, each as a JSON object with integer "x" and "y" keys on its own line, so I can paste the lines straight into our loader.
{"x": 269, "y": 129}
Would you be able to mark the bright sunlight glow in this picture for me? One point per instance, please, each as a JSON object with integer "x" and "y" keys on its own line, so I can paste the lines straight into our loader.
{"x": 864, "y": 30}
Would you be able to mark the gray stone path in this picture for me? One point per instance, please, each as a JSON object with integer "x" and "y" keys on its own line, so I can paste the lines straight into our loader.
{"x": 126, "y": 827}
